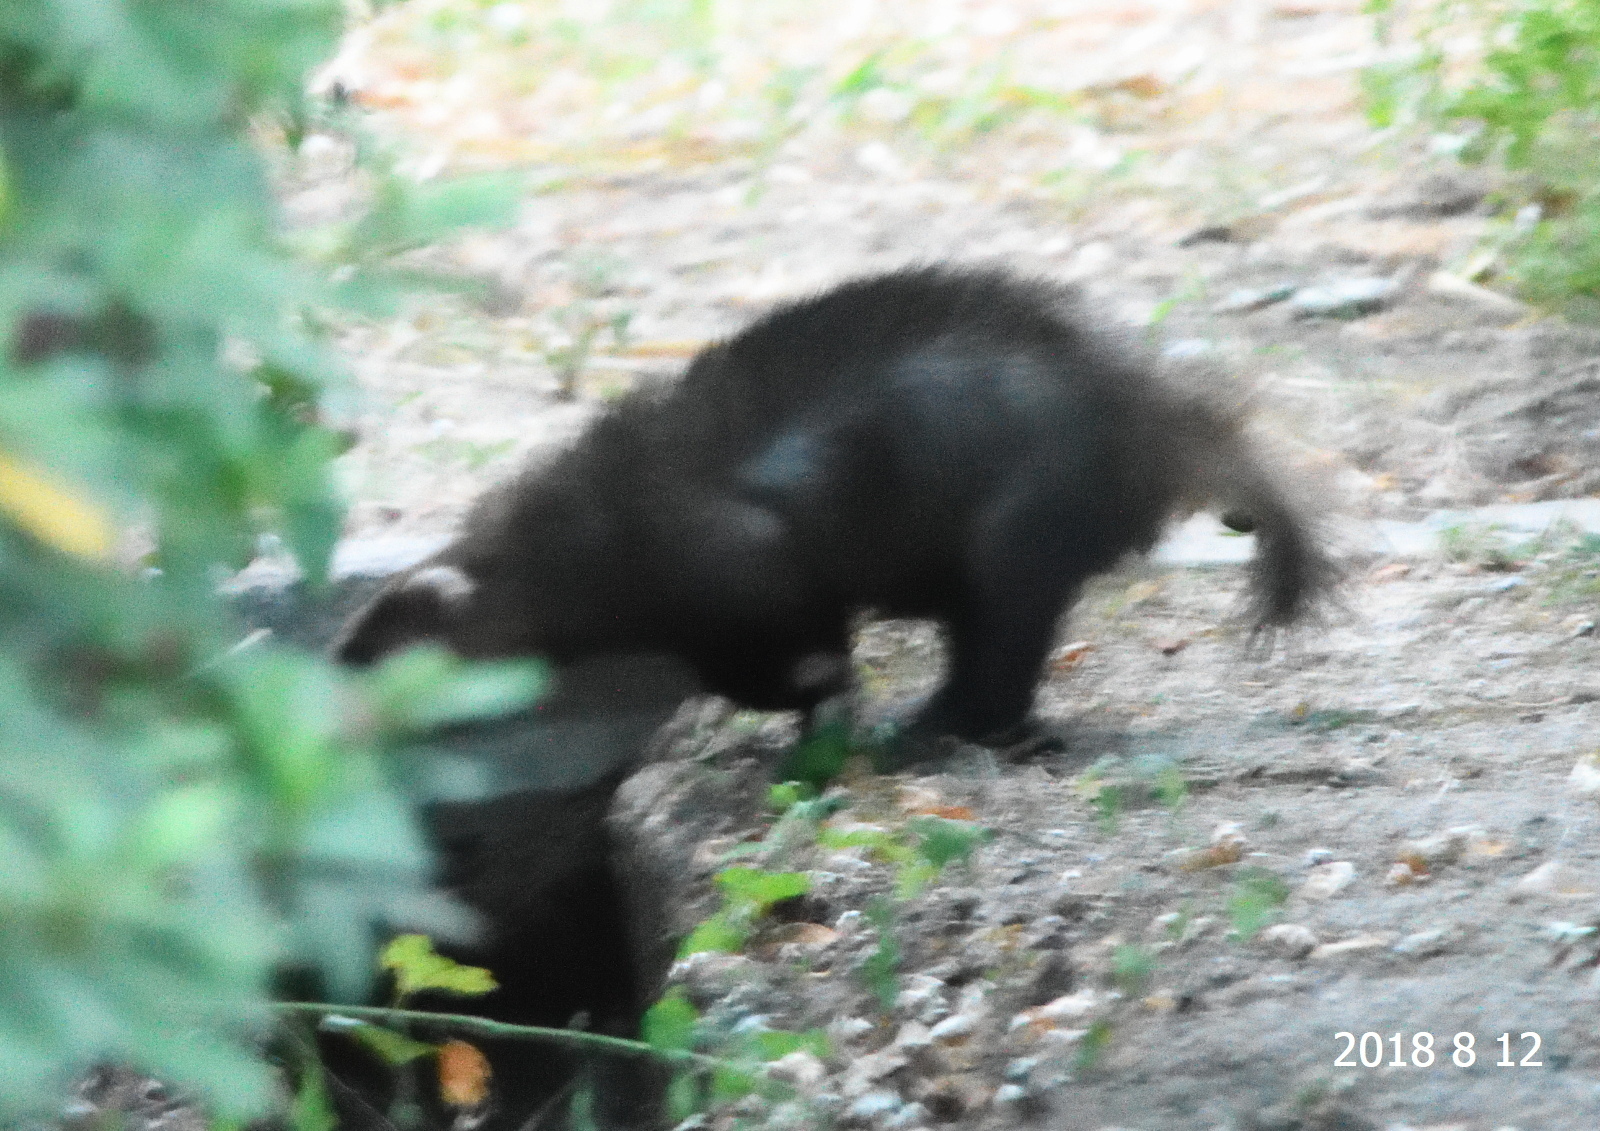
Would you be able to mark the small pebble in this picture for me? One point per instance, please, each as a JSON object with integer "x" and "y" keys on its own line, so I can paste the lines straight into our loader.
{"x": 1347, "y": 298}
{"x": 1328, "y": 879}
{"x": 1018, "y": 1069}
{"x": 847, "y": 1029}
{"x": 1008, "y": 1094}
{"x": 800, "y": 1068}
{"x": 1585, "y": 777}
{"x": 1551, "y": 880}
{"x": 912, "y": 1115}
{"x": 1354, "y": 945}
{"x": 951, "y": 1029}
{"x": 1289, "y": 940}
{"x": 1423, "y": 943}
{"x": 1246, "y": 299}
{"x": 872, "y": 1106}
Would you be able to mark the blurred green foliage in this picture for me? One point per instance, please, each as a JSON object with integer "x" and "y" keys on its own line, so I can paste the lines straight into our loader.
{"x": 1516, "y": 84}
{"x": 181, "y": 814}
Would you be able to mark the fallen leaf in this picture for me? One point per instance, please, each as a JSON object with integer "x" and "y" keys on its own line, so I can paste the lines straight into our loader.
{"x": 463, "y": 1074}
{"x": 1071, "y": 656}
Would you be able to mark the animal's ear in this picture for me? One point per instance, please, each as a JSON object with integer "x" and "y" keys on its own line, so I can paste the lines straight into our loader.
{"x": 1241, "y": 521}
{"x": 424, "y": 605}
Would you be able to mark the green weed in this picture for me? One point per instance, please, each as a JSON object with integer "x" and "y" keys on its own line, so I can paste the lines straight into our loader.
{"x": 1132, "y": 968}
{"x": 1254, "y": 901}
{"x": 1527, "y": 101}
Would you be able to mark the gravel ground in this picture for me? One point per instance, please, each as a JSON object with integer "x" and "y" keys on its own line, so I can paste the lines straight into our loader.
{"x": 1408, "y": 778}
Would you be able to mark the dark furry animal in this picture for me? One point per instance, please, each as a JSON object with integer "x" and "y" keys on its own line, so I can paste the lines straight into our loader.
{"x": 932, "y": 443}
{"x": 537, "y": 866}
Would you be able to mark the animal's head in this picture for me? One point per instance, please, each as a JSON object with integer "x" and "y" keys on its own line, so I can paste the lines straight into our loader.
{"x": 443, "y": 603}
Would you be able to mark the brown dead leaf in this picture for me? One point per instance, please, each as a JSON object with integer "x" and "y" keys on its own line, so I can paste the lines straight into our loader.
{"x": 1394, "y": 571}
{"x": 1214, "y": 856}
{"x": 1071, "y": 656}
{"x": 1415, "y": 862}
{"x": 1140, "y": 86}
{"x": 1404, "y": 873}
{"x": 1171, "y": 645}
{"x": 463, "y": 1074}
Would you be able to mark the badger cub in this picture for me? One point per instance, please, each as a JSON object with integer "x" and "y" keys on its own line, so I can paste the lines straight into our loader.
{"x": 941, "y": 443}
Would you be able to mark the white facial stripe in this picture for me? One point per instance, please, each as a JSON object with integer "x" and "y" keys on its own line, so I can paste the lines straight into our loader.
{"x": 451, "y": 583}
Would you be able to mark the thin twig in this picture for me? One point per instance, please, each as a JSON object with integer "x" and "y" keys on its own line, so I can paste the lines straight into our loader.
{"x": 484, "y": 1027}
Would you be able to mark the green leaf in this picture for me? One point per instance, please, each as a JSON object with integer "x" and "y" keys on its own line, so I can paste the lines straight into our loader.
{"x": 669, "y": 1024}
{"x": 311, "y": 1109}
{"x": 717, "y": 933}
{"x": 394, "y": 1049}
{"x": 418, "y": 967}
{"x": 776, "y": 1043}
{"x": 1254, "y": 901}
{"x": 731, "y": 1082}
{"x": 878, "y": 971}
{"x": 820, "y": 756}
{"x": 762, "y": 889}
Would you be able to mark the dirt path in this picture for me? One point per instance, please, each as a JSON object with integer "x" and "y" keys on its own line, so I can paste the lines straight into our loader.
{"x": 1425, "y": 740}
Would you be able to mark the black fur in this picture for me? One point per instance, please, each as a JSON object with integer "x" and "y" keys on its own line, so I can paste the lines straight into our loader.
{"x": 932, "y": 443}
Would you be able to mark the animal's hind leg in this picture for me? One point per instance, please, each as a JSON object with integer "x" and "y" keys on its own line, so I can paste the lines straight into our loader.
{"x": 1023, "y": 575}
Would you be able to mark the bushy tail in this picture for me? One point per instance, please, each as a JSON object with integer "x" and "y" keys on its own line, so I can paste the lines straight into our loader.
{"x": 1292, "y": 575}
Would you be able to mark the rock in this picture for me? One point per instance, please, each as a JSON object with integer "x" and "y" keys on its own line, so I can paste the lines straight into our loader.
{"x": 1288, "y": 940}
{"x": 1329, "y": 879}
{"x": 1017, "y": 1070}
{"x": 1009, "y": 1094}
{"x": 912, "y": 1036}
{"x": 1453, "y": 287}
{"x": 1357, "y": 944}
{"x": 1197, "y": 928}
{"x": 1585, "y": 777}
{"x": 844, "y": 1030}
{"x": 1439, "y": 848}
{"x": 1229, "y": 832}
{"x": 865, "y": 1071}
{"x": 922, "y": 997}
{"x": 1247, "y": 299}
{"x": 872, "y": 1107}
{"x": 1069, "y": 1007}
{"x": 800, "y": 1068}
{"x": 1436, "y": 195}
{"x": 1345, "y": 298}
{"x": 954, "y": 1029}
{"x": 1551, "y": 880}
{"x": 1187, "y": 347}
{"x": 1404, "y": 873}
{"x": 1423, "y": 944}
{"x": 912, "y": 1115}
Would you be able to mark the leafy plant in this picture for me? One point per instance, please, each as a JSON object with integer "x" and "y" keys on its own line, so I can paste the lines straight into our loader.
{"x": 673, "y": 1026}
{"x": 747, "y": 893}
{"x": 1254, "y": 901}
{"x": 182, "y": 813}
{"x": 1527, "y": 100}
{"x": 879, "y": 970}
{"x": 1132, "y": 967}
